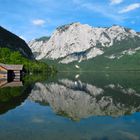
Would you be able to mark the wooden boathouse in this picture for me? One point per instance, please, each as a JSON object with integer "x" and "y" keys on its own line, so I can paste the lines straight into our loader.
{"x": 10, "y": 72}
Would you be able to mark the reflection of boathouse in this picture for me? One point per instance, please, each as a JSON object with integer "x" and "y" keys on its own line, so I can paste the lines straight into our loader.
{"x": 10, "y": 72}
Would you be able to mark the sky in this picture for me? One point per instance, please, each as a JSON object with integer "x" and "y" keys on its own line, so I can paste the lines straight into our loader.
{"x": 32, "y": 19}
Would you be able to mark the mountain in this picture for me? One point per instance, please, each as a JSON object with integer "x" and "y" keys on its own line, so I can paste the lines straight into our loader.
{"x": 15, "y": 43}
{"x": 37, "y": 44}
{"x": 80, "y": 44}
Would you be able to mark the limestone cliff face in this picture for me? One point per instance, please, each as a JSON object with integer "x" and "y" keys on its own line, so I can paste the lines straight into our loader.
{"x": 13, "y": 42}
{"x": 78, "y": 42}
{"x": 78, "y": 100}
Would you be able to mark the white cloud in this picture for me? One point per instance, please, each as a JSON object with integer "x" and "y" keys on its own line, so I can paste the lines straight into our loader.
{"x": 130, "y": 8}
{"x": 104, "y": 10}
{"x": 116, "y": 1}
{"x": 99, "y": 8}
{"x": 38, "y": 22}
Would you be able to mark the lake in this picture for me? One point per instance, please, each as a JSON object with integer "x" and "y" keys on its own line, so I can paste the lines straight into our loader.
{"x": 72, "y": 106}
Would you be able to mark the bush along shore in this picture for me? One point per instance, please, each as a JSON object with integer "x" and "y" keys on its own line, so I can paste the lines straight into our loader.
{"x": 8, "y": 56}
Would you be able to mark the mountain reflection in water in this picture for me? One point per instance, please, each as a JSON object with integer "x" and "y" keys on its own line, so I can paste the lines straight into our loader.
{"x": 77, "y": 99}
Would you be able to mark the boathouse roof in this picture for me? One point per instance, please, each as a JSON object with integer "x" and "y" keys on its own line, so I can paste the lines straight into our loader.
{"x": 11, "y": 67}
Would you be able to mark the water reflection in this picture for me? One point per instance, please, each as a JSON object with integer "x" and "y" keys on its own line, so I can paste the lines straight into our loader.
{"x": 12, "y": 95}
{"x": 14, "y": 92}
{"x": 76, "y": 99}
{"x": 50, "y": 103}
{"x": 77, "y": 96}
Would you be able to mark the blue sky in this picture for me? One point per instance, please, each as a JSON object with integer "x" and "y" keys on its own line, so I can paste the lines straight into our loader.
{"x": 35, "y": 18}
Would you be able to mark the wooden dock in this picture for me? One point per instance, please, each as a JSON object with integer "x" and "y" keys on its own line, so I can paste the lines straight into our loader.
{"x": 5, "y": 83}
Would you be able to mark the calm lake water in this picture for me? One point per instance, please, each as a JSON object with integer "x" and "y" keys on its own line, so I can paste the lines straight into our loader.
{"x": 72, "y": 106}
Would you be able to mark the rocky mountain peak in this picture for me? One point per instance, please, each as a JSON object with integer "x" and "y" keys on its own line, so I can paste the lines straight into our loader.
{"x": 77, "y": 42}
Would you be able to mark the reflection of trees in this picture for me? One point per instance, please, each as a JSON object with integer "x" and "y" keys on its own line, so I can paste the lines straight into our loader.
{"x": 10, "y": 98}
{"x": 13, "y": 94}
